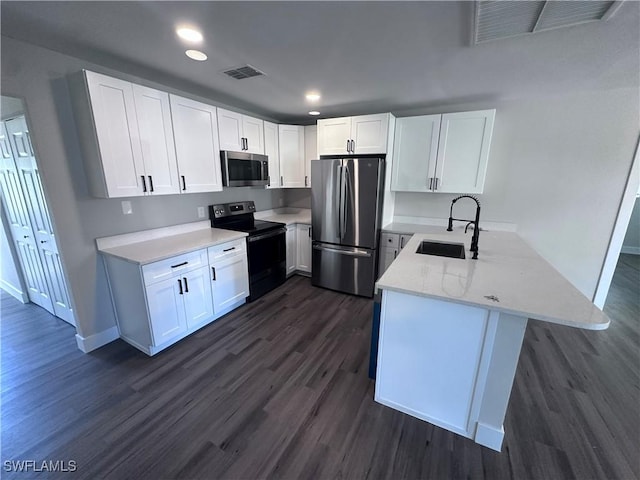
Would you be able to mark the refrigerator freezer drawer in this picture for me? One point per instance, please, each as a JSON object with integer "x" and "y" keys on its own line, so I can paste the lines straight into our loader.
{"x": 349, "y": 270}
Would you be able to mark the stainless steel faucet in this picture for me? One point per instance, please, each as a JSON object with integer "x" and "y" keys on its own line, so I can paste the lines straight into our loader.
{"x": 476, "y": 223}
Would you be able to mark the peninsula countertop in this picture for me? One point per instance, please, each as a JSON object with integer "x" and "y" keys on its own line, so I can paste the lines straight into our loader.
{"x": 288, "y": 216}
{"x": 508, "y": 276}
{"x": 143, "y": 251}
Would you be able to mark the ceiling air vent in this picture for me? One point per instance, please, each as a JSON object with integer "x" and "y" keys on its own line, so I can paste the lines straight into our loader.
{"x": 245, "y": 71}
{"x": 506, "y": 18}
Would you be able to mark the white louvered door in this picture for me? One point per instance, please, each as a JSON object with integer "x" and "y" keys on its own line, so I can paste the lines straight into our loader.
{"x": 39, "y": 251}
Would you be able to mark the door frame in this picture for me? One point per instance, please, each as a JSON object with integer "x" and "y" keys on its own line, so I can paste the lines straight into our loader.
{"x": 25, "y": 113}
{"x": 619, "y": 230}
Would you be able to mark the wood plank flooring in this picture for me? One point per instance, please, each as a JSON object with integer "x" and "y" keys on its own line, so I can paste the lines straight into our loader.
{"x": 279, "y": 389}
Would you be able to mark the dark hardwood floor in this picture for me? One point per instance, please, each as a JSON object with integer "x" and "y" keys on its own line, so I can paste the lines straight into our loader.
{"x": 279, "y": 389}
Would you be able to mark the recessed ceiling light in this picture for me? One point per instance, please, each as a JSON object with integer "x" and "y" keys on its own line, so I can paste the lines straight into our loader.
{"x": 314, "y": 113}
{"x": 189, "y": 34}
{"x": 313, "y": 96}
{"x": 196, "y": 55}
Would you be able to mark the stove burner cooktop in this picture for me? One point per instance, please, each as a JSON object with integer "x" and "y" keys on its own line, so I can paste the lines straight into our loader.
{"x": 239, "y": 217}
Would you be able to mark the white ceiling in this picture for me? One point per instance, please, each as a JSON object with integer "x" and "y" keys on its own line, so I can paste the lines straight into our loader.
{"x": 364, "y": 57}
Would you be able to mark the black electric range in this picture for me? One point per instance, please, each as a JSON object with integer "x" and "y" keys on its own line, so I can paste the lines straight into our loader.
{"x": 266, "y": 244}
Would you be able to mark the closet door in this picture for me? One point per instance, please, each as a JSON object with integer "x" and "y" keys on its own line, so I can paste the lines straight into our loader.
{"x": 23, "y": 236}
{"x": 38, "y": 212}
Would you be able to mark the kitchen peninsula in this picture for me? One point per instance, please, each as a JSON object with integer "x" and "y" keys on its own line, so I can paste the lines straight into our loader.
{"x": 451, "y": 329}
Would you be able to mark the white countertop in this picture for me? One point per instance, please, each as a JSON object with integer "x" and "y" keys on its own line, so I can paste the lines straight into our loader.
{"x": 507, "y": 268}
{"x": 287, "y": 215}
{"x": 155, "y": 249}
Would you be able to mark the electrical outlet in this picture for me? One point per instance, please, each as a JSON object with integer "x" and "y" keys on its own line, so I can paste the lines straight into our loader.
{"x": 126, "y": 207}
{"x": 200, "y": 212}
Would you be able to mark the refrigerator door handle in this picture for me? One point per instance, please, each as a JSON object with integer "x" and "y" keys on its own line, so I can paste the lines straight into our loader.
{"x": 350, "y": 253}
{"x": 339, "y": 199}
{"x": 345, "y": 198}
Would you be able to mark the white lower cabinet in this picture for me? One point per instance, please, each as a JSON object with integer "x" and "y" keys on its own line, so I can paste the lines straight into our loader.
{"x": 166, "y": 311}
{"x": 390, "y": 246}
{"x": 292, "y": 249}
{"x": 159, "y": 303}
{"x": 229, "y": 275}
{"x": 303, "y": 248}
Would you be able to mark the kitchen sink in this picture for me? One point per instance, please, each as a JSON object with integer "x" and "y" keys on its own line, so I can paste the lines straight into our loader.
{"x": 441, "y": 249}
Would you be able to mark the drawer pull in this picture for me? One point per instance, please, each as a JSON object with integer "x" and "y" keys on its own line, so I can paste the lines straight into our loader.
{"x": 229, "y": 249}
{"x": 179, "y": 265}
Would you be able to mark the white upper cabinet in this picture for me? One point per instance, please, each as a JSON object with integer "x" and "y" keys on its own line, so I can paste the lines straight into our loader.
{"x": 127, "y": 137}
{"x": 119, "y": 157}
{"x": 156, "y": 138}
{"x": 240, "y": 133}
{"x": 334, "y": 136}
{"x": 463, "y": 151}
{"x": 363, "y": 134}
{"x": 415, "y": 151}
{"x": 310, "y": 150}
{"x": 195, "y": 130}
{"x": 272, "y": 151}
{"x": 442, "y": 153}
{"x": 292, "y": 161}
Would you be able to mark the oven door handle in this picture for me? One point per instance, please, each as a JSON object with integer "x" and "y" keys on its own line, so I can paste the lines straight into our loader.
{"x": 267, "y": 235}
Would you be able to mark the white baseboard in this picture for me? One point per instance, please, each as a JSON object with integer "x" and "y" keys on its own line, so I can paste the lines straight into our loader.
{"x": 14, "y": 292}
{"x": 489, "y": 436}
{"x": 631, "y": 250}
{"x": 92, "y": 342}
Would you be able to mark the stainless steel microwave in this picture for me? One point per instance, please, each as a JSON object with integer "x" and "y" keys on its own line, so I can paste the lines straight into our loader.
{"x": 241, "y": 169}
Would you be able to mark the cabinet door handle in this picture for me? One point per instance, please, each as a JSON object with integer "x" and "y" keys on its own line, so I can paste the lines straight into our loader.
{"x": 144, "y": 184}
{"x": 43, "y": 241}
{"x": 184, "y": 183}
{"x": 430, "y": 182}
{"x": 229, "y": 249}
{"x": 401, "y": 243}
{"x": 281, "y": 180}
{"x": 395, "y": 253}
{"x": 213, "y": 271}
{"x": 180, "y": 285}
{"x": 348, "y": 145}
{"x": 150, "y": 183}
{"x": 435, "y": 187}
{"x": 353, "y": 146}
{"x": 306, "y": 178}
{"x": 179, "y": 265}
{"x": 268, "y": 181}
{"x": 186, "y": 285}
{"x": 309, "y": 232}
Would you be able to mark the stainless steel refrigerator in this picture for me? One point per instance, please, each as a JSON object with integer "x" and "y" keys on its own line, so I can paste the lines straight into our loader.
{"x": 346, "y": 212}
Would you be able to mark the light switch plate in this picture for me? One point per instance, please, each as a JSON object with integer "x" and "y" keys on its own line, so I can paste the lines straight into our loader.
{"x": 126, "y": 207}
{"x": 200, "y": 212}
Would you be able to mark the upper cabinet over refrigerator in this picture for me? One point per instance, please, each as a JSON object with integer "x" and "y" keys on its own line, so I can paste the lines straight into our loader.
{"x": 365, "y": 134}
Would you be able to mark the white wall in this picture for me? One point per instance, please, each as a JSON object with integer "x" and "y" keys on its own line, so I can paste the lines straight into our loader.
{"x": 10, "y": 280}
{"x": 557, "y": 168}
{"x": 10, "y": 107}
{"x": 39, "y": 77}
{"x": 631, "y": 242}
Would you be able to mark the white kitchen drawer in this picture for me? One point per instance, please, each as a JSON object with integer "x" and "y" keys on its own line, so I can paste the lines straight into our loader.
{"x": 227, "y": 250}
{"x": 389, "y": 240}
{"x": 174, "y": 266}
